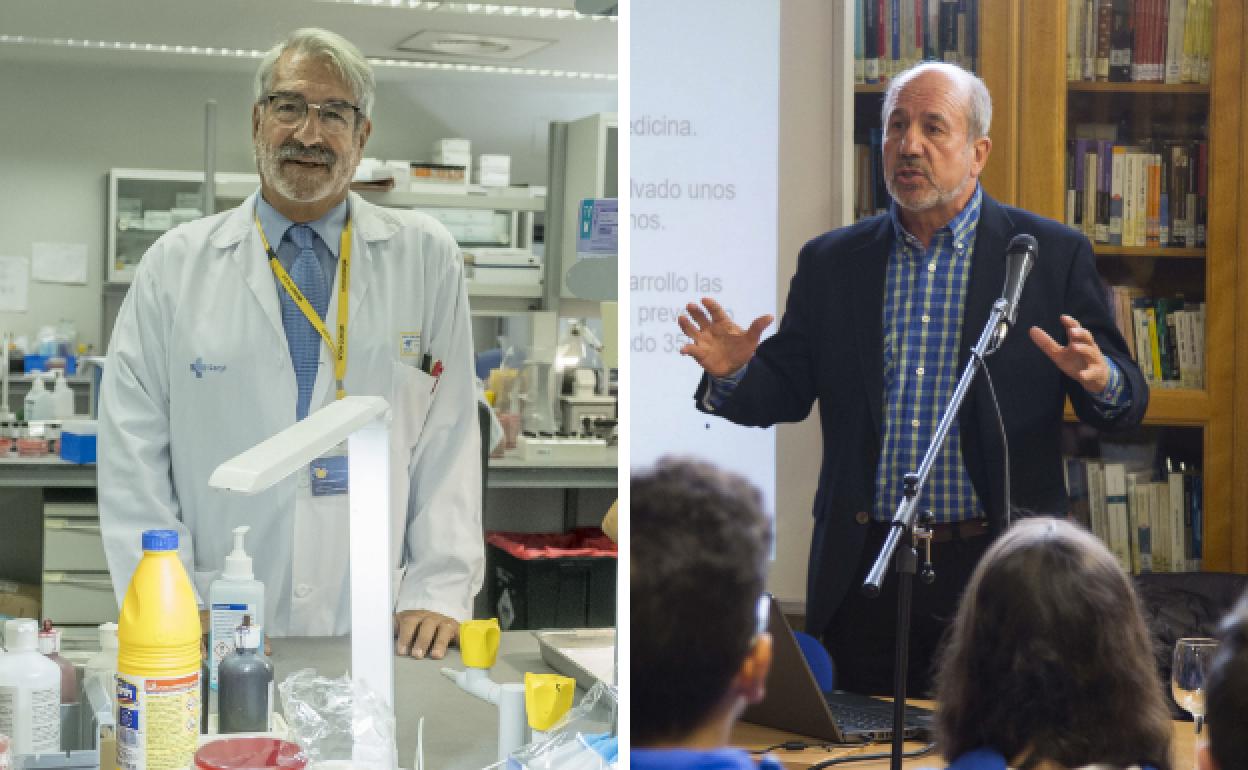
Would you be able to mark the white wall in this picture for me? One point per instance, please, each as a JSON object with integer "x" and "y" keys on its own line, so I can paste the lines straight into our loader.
{"x": 816, "y": 138}
{"x": 76, "y": 122}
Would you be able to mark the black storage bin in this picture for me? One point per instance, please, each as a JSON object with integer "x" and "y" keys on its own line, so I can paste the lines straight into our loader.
{"x": 558, "y": 592}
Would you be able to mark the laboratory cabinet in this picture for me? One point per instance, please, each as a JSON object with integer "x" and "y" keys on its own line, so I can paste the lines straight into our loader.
{"x": 145, "y": 203}
{"x": 77, "y": 590}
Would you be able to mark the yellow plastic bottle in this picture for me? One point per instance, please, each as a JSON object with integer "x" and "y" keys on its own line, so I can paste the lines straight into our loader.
{"x": 158, "y": 662}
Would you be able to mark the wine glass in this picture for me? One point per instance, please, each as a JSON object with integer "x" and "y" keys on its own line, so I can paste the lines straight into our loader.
{"x": 1192, "y": 658}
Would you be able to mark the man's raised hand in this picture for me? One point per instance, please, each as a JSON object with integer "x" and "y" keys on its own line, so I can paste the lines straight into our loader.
{"x": 717, "y": 343}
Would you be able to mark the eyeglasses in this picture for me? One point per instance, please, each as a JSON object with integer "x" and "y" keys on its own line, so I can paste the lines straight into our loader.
{"x": 337, "y": 116}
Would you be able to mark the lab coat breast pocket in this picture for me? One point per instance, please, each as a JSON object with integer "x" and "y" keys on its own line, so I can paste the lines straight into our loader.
{"x": 411, "y": 397}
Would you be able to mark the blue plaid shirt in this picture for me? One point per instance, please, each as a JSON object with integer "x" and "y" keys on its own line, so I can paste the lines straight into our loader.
{"x": 924, "y": 302}
{"x": 923, "y": 306}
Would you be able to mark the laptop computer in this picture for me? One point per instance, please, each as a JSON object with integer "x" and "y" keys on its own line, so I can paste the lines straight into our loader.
{"x": 793, "y": 701}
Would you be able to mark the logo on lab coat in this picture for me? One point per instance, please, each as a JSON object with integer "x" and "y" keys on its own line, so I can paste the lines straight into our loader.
{"x": 199, "y": 367}
{"x": 409, "y": 344}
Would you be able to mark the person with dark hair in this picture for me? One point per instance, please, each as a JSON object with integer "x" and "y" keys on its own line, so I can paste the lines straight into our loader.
{"x": 1226, "y": 697}
{"x": 700, "y": 652}
{"x": 1048, "y": 663}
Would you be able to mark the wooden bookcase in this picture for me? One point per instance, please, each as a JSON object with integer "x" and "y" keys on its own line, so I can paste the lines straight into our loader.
{"x": 1046, "y": 106}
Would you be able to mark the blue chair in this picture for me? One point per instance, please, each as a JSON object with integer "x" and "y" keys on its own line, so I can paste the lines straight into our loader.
{"x": 818, "y": 659}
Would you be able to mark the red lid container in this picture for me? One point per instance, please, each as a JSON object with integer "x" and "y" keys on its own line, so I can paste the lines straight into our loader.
{"x": 250, "y": 754}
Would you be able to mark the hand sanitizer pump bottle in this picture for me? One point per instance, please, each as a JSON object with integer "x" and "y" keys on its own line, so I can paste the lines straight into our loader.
{"x": 235, "y": 594}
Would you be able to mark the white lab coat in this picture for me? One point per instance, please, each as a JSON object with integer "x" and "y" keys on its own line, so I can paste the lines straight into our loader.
{"x": 199, "y": 370}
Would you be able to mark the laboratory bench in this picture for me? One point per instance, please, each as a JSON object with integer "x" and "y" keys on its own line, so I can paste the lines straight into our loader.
{"x": 48, "y": 471}
{"x": 512, "y": 472}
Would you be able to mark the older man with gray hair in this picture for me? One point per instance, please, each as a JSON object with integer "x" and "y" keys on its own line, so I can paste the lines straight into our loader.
{"x": 880, "y": 318}
{"x": 240, "y": 324}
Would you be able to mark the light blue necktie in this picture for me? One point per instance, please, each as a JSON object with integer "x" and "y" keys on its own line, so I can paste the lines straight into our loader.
{"x": 301, "y": 336}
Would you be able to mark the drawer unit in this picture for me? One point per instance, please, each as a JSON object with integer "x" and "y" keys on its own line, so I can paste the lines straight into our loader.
{"x": 79, "y": 598}
{"x": 72, "y": 542}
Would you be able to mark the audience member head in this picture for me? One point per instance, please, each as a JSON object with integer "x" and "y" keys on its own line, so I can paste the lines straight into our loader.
{"x": 1226, "y": 696}
{"x": 700, "y": 544}
{"x": 1049, "y": 659}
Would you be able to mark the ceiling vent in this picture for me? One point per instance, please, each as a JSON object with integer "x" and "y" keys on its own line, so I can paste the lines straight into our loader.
{"x": 465, "y": 45}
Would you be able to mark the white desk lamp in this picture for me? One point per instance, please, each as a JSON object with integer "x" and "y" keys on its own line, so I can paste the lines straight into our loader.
{"x": 363, "y": 421}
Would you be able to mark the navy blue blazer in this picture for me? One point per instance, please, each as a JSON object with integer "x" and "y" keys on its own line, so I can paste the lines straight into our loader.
{"x": 829, "y": 347}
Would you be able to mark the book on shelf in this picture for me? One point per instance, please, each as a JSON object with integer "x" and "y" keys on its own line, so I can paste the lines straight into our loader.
{"x": 1165, "y": 336}
{"x": 870, "y": 193}
{"x": 1149, "y": 519}
{"x": 892, "y": 35}
{"x": 1141, "y": 41}
{"x": 1117, "y": 534}
{"x": 1145, "y": 194}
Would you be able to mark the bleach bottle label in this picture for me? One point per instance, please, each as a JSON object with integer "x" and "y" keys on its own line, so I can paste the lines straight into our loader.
{"x": 157, "y": 721}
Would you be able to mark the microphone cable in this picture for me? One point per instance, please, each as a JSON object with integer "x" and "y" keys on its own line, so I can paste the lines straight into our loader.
{"x": 1005, "y": 444}
{"x": 845, "y": 758}
{"x": 912, "y": 754}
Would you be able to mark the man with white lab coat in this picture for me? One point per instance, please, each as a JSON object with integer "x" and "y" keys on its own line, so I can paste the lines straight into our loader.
{"x": 229, "y": 334}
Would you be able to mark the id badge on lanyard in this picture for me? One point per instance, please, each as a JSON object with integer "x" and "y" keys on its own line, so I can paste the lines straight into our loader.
{"x": 328, "y": 472}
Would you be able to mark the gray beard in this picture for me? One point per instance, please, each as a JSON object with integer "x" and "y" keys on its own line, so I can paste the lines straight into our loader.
{"x": 941, "y": 196}
{"x": 295, "y": 189}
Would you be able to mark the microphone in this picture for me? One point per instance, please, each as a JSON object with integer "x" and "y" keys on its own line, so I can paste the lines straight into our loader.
{"x": 1020, "y": 255}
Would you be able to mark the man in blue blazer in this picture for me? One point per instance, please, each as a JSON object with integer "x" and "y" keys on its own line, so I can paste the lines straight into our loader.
{"x": 880, "y": 318}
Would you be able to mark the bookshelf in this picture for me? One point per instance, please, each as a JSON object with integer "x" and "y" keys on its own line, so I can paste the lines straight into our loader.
{"x": 995, "y": 61}
{"x": 1051, "y": 108}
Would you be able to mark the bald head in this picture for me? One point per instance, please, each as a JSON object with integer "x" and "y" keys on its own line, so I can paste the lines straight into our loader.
{"x": 971, "y": 92}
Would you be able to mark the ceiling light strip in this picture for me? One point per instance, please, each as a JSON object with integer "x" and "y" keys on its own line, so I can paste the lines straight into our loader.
{"x": 493, "y": 69}
{"x": 119, "y": 45}
{"x": 484, "y": 9}
{"x": 196, "y": 50}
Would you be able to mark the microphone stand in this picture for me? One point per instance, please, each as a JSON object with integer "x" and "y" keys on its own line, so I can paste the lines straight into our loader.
{"x": 903, "y": 523}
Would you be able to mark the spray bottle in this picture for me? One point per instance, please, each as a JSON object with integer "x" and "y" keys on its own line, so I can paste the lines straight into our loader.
{"x": 235, "y": 594}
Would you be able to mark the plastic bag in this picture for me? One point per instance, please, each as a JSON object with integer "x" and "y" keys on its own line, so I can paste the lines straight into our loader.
{"x": 585, "y": 739}
{"x": 334, "y": 720}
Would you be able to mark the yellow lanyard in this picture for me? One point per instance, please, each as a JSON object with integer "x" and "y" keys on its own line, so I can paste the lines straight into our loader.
{"x": 344, "y": 285}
